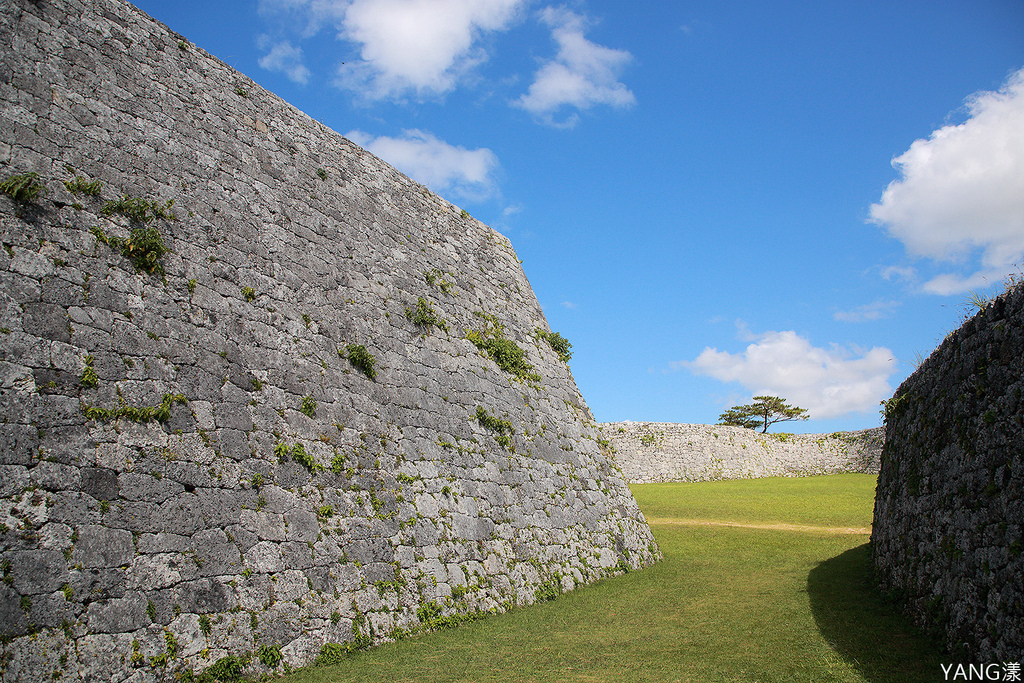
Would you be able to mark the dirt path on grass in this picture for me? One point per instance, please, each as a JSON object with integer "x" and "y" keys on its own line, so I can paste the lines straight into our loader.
{"x": 674, "y": 521}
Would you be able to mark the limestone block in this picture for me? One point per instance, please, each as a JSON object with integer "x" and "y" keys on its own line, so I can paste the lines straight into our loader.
{"x": 204, "y": 596}
{"x": 17, "y": 443}
{"x": 100, "y": 547}
{"x": 13, "y": 619}
{"x": 118, "y": 615}
{"x": 264, "y": 557}
{"x": 13, "y": 479}
{"x": 146, "y": 487}
{"x": 100, "y": 483}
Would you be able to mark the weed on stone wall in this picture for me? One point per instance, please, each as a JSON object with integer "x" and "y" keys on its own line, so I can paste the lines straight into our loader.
{"x": 225, "y": 670}
{"x": 557, "y": 342}
{"x": 502, "y": 428}
{"x": 89, "y": 378}
{"x": 270, "y": 655}
{"x": 425, "y": 316}
{"x": 157, "y": 413}
{"x": 549, "y": 590}
{"x": 362, "y": 359}
{"x": 82, "y": 186}
{"x": 23, "y": 188}
{"x": 139, "y": 210}
{"x": 893, "y": 407}
{"x": 503, "y": 351}
{"x": 308, "y": 407}
{"x": 297, "y": 453}
{"x": 144, "y": 248}
{"x": 435, "y": 277}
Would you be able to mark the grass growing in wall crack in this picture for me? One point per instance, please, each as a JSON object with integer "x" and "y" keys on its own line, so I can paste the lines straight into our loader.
{"x": 503, "y": 351}
{"x": 157, "y": 413}
{"x": 23, "y": 188}
{"x": 89, "y": 377}
{"x": 144, "y": 248}
{"x": 559, "y": 344}
{"x": 308, "y": 406}
{"x": 502, "y": 428}
{"x": 785, "y": 597}
{"x": 362, "y": 359}
{"x": 425, "y": 316}
{"x": 139, "y": 210}
{"x": 82, "y": 186}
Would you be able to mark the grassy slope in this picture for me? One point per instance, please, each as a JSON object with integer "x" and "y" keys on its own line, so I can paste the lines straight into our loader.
{"x": 726, "y": 604}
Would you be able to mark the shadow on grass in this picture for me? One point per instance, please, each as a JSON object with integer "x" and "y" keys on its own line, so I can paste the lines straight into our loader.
{"x": 865, "y": 629}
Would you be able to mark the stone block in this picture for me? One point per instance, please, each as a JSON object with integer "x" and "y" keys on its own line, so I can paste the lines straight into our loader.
{"x": 100, "y": 547}
{"x": 297, "y": 555}
{"x": 13, "y": 618}
{"x": 51, "y": 610}
{"x": 18, "y": 444}
{"x": 302, "y": 525}
{"x": 97, "y": 584}
{"x": 118, "y": 615}
{"x": 100, "y": 483}
{"x": 164, "y": 543}
{"x": 13, "y": 480}
{"x": 151, "y": 572}
{"x": 264, "y": 557}
{"x": 181, "y": 514}
{"x": 73, "y": 508}
{"x": 147, "y": 488}
{"x": 48, "y": 321}
{"x": 215, "y": 555}
{"x": 204, "y": 596}
{"x": 134, "y": 516}
{"x": 232, "y": 416}
{"x": 38, "y": 571}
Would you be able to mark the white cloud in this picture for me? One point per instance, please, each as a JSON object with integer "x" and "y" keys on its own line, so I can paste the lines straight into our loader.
{"x": 829, "y": 383}
{"x": 568, "y": 304}
{"x": 900, "y": 273}
{"x": 304, "y": 17}
{"x": 419, "y": 46}
{"x": 873, "y": 311}
{"x": 435, "y": 163}
{"x": 961, "y": 192}
{"x": 284, "y": 58}
{"x": 951, "y": 283}
{"x": 581, "y": 75}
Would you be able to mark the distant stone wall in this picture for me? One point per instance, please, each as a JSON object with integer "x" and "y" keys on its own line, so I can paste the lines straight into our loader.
{"x": 198, "y": 462}
{"x": 949, "y": 510}
{"x": 659, "y": 451}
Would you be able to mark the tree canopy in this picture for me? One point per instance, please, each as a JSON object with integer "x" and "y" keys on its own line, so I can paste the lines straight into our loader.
{"x": 763, "y": 412}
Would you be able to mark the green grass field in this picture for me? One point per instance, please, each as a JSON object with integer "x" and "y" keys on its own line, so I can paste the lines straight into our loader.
{"x": 763, "y": 580}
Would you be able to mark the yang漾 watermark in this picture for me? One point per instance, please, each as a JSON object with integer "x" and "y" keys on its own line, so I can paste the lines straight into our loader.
{"x": 1006, "y": 671}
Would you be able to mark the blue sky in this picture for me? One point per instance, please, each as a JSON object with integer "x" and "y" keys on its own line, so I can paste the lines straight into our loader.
{"x": 712, "y": 199}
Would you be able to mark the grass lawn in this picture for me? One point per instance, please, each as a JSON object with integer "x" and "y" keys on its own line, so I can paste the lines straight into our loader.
{"x": 763, "y": 580}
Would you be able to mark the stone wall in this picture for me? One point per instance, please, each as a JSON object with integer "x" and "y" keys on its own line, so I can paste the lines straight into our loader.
{"x": 659, "y": 451}
{"x": 198, "y": 458}
{"x": 949, "y": 509}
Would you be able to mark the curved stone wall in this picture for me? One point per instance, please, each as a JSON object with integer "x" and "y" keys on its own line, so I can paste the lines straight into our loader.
{"x": 284, "y": 432}
{"x": 664, "y": 451}
{"x": 949, "y": 509}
